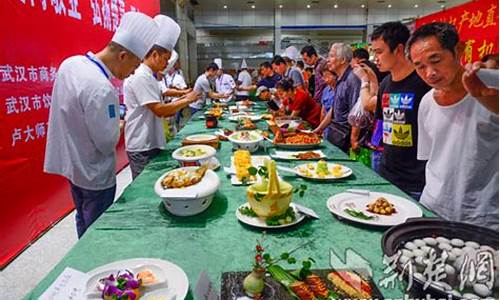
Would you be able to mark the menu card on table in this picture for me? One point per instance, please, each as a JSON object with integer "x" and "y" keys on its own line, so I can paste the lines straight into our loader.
{"x": 70, "y": 285}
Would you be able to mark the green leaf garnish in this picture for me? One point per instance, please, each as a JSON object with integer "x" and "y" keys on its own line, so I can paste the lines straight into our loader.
{"x": 358, "y": 214}
{"x": 263, "y": 172}
{"x": 258, "y": 196}
{"x": 253, "y": 171}
{"x": 306, "y": 264}
{"x": 286, "y": 218}
{"x": 247, "y": 211}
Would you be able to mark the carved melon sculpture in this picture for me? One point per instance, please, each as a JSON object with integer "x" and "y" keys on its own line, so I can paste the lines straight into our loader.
{"x": 270, "y": 197}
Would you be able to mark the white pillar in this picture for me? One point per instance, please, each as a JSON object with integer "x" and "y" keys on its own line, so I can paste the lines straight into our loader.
{"x": 277, "y": 30}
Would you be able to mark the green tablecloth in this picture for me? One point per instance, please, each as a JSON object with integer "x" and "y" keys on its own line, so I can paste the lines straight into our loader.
{"x": 137, "y": 225}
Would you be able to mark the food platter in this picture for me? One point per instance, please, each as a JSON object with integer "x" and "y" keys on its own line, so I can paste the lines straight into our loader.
{"x": 255, "y": 161}
{"x": 343, "y": 203}
{"x": 237, "y": 118}
{"x": 171, "y": 281}
{"x": 261, "y": 223}
{"x": 193, "y": 153}
{"x": 191, "y": 199}
{"x": 297, "y": 141}
{"x": 325, "y": 172}
{"x": 298, "y": 155}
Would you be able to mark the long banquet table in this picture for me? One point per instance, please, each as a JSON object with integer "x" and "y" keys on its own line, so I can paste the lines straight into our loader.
{"x": 137, "y": 225}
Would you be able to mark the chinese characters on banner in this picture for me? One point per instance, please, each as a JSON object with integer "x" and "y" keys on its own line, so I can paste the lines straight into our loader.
{"x": 38, "y": 36}
{"x": 477, "y": 25}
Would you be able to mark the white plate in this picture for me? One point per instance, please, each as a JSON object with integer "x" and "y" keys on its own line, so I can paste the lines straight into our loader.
{"x": 296, "y": 146}
{"x": 257, "y": 161}
{"x": 167, "y": 294}
{"x": 261, "y": 223}
{"x": 213, "y": 163}
{"x": 238, "y": 117}
{"x": 209, "y": 152}
{"x": 293, "y": 122}
{"x": 290, "y": 155}
{"x": 175, "y": 282}
{"x": 235, "y": 137}
{"x": 200, "y": 137}
{"x": 346, "y": 172}
{"x": 404, "y": 208}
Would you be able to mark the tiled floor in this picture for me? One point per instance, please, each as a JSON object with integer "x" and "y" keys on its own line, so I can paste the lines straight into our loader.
{"x": 36, "y": 261}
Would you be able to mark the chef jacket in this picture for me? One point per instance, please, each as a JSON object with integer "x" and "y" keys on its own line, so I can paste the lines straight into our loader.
{"x": 83, "y": 127}
{"x": 224, "y": 85}
{"x": 143, "y": 129}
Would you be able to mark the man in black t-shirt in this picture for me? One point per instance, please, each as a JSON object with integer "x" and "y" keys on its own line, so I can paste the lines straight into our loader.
{"x": 269, "y": 78}
{"x": 396, "y": 102}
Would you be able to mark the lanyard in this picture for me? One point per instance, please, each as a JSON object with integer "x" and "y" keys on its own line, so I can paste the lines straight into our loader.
{"x": 103, "y": 71}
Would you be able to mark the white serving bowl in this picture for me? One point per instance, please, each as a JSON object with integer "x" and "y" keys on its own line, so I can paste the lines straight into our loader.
{"x": 194, "y": 160}
{"x": 252, "y": 145}
{"x": 190, "y": 200}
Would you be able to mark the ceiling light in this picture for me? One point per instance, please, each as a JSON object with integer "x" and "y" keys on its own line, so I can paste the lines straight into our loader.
{"x": 389, "y": 5}
{"x": 253, "y": 6}
{"x": 362, "y": 6}
{"x": 225, "y": 6}
{"x": 281, "y": 6}
{"x": 335, "y": 6}
{"x": 416, "y": 6}
{"x": 308, "y": 6}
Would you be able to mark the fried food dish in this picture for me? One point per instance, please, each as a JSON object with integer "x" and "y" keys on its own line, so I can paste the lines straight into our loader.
{"x": 381, "y": 206}
{"x": 302, "y": 290}
{"x": 308, "y": 155}
{"x": 317, "y": 286}
{"x": 351, "y": 284}
{"x": 183, "y": 178}
{"x": 298, "y": 138}
{"x": 216, "y": 112}
{"x": 246, "y": 123}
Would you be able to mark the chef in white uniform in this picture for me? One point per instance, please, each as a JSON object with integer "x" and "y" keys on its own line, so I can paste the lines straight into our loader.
{"x": 245, "y": 82}
{"x": 84, "y": 117}
{"x": 174, "y": 78}
{"x": 205, "y": 85}
{"x": 163, "y": 78}
{"x": 224, "y": 83}
{"x": 172, "y": 84}
{"x": 144, "y": 131}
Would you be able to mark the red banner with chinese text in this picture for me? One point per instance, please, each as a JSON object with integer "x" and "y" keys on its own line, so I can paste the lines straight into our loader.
{"x": 477, "y": 25}
{"x": 37, "y": 36}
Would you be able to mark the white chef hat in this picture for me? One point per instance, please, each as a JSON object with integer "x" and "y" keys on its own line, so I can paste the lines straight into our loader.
{"x": 261, "y": 89}
{"x": 244, "y": 64}
{"x": 218, "y": 62}
{"x": 172, "y": 60}
{"x": 169, "y": 32}
{"x": 291, "y": 52}
{"x": 136, "y": 32}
